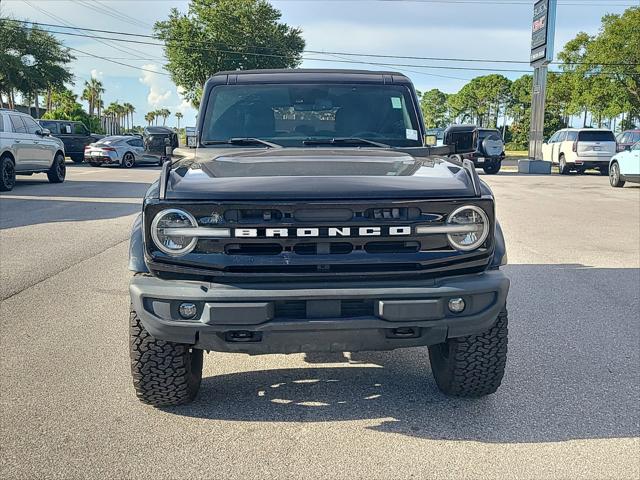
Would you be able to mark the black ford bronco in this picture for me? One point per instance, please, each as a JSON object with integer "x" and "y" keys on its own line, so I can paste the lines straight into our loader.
{"x": 311, "y": 218}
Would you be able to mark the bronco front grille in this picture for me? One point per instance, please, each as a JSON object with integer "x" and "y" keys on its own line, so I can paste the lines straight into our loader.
{"x": 293, "y": 239}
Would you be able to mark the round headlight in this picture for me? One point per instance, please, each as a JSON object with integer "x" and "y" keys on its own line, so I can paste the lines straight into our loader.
{"x": 473, "y": 228}
{"x": 168, "y": 231}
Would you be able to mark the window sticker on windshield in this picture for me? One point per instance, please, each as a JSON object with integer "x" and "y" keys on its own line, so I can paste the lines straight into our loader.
{"x": 412, "y": 134}
{"x": 396, "y": 102}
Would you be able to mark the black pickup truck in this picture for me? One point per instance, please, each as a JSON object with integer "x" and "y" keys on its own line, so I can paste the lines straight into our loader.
{"x": 311, "y": 218}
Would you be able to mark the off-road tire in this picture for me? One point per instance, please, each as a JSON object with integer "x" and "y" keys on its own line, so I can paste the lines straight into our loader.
{"x": 471, "y": 366}
{"x": 563, "y": 168}
{"x": 164, "y": 373}
{"x": 614, "y": 176}
{"x": 492, "y": 168}
{"x": 7, "y": 174}
{"x": 58, "y": 170}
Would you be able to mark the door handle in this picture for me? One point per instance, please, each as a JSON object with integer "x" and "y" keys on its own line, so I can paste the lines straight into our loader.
{"x": 18, "y": 141}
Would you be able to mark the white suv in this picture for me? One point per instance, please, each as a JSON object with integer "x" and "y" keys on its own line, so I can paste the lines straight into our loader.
{"x": 579, "y": 149}
{"x": 27, "y": 148}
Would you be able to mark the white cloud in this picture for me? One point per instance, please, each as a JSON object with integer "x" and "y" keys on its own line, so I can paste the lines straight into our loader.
{"x": 160, "y": 87}
{"x": 97, "y": 74}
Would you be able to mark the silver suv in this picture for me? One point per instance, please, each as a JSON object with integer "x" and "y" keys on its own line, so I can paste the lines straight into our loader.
{"x": 27, "y": 148}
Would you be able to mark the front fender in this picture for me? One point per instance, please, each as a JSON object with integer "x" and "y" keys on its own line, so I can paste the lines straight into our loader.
{"x": 136, "y": 247}
{"x": 500, "y": 250}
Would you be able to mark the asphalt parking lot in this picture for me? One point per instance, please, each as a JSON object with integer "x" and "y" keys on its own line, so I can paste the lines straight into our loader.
{"x": 568, "y": 407}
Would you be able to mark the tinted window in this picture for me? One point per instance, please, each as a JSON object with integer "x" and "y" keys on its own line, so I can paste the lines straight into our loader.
{"x": 633, "y": 137}
{"x": 482, "y": 134}
{"x": 136, "y": 142}
{"x": 572, "y": 136}
{"x": 636, "y": 146}
{"x": 32, "y": 125}
{"x": 289, "y": 114}
{"x": 596, "y": 136}
{"x": 65, "y": 128}
{"x": 1, "y": 124}
{"x": 51, "y": 126}
{"x": 80, "y": 129}
{"x": 18, "y": 124}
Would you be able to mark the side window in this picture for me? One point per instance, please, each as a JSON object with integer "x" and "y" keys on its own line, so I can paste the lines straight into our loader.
{"x": 572, "y": 136}
{"x": 136, "y": 142}
{"x": 636, "y": 147}
{"x": 1, "y": 124}
{"x": 562, "y": 136}
{"x": 553, "y": 138}
{"x": 80, "y": 129}
{"x": 634, "y": 137}
{"x": 32, "y": 126}
{"x": 51, "y": 126}
{"x": 65, "y": 128}
{"x": 17, "y": 124}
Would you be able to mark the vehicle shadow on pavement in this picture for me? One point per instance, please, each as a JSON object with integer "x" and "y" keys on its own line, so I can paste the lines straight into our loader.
{"x": 77, "y": 188}
{"x": 571, "y": 373}
{"x": 72, "y": 201}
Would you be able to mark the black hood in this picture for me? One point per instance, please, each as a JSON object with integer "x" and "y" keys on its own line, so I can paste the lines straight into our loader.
{"x": 315, "y": 173}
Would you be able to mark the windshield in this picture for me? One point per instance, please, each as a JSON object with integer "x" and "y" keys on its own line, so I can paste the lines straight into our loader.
{"x": 290, "y": 114}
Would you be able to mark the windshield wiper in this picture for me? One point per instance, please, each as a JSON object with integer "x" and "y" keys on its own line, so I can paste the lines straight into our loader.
{"x": 347, "y": 140}
{"x": 242, "y": 141}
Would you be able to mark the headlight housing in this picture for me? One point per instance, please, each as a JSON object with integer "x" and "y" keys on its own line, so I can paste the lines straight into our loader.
{"x": 477, "y": 223}
{"x": 176, "y": 242}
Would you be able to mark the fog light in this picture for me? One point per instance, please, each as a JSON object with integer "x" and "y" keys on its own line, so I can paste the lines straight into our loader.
{"x": 187, "y": 310}
{"x": 456, "y": 305}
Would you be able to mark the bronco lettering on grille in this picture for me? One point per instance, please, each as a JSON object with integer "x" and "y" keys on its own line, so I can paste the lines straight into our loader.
{"x": 313, "y": 232}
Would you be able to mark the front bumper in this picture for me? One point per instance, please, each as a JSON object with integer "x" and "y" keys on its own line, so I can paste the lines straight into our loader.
{"x": 267, "y": 318}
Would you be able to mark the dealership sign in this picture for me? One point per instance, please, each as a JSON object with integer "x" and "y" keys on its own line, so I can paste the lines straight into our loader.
{"x": 542, "y": 32}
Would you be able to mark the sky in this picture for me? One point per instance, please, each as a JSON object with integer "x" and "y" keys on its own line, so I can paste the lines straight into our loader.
{"x": 486, "y": 29}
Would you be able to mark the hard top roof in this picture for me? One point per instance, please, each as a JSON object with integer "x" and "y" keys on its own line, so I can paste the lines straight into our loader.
{"x": 311, "y": 74}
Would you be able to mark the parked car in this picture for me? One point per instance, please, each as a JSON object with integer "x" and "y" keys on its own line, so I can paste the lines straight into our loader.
{"x": 156, "y": 139}
{"x": 579, "y": 149}
{"x": 627, "y": 139}
{"x": 74, "y": 135}
{"x": 625, "y": 166}
{"x": 27, "y": 148}
{"x": 489, "y": 151}
{"x": 124, "y": 150}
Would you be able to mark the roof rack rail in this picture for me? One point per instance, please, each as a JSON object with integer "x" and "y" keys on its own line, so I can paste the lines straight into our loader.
{"x": 475, "y": 178}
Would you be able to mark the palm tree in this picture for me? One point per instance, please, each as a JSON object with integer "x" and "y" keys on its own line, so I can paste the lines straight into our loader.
{"x": 93, "y": 90}
{"x": 178, "y": 117}
{"x": 150, "y": 117}
{"x": 129, "y": 109}
{"x": 164, "y": 113}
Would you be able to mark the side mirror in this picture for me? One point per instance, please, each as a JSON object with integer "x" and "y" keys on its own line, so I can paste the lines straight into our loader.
{"x": 44, "y": 132}
{"x": 627, "y": 148}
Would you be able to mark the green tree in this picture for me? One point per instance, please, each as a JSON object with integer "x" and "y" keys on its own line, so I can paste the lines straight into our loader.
{"x": 32, "y": 61}
{"x": 434, "y": 108}
{"x": 128, "y": 111}
{"x": 149, "y": 117}
{"x": 216, "y": 35}
{"x": 92, "y": 93}
{"x": 178, "y": 117}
